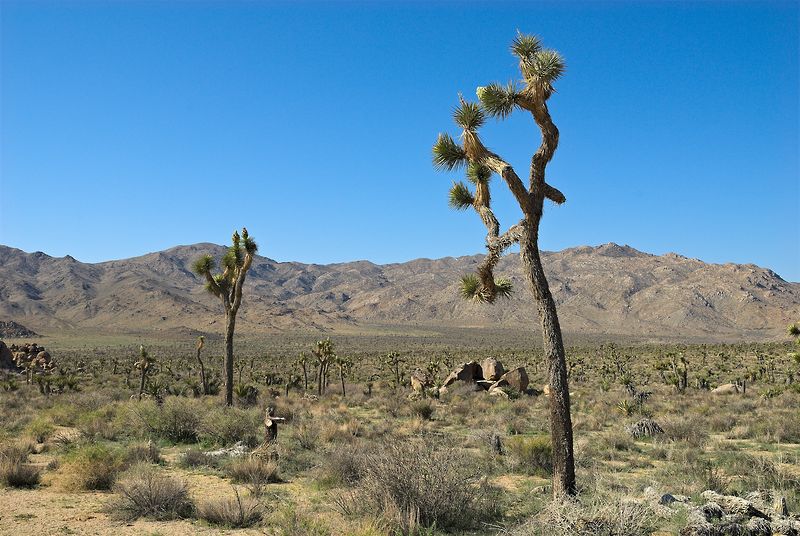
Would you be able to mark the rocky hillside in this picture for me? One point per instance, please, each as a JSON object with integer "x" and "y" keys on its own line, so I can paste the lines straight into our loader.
{"x": 610, "y": 289}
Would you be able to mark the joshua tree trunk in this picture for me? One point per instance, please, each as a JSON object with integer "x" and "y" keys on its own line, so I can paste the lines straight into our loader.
{"x": 203, "y": 382}
{"x": 341, "y": 377}
{"x": 560, "y": 419}
{"x": 141, "y": 384}
{"x": 305, "y": 378}
{"x": 230, "y": 325}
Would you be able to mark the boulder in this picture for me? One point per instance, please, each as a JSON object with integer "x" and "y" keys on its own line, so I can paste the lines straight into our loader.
{"x": 466, "y": 372}
{"x": 492, "y": 369}
{"x": 725, "y": 389}
{"x": 6, "y": 358}
{"x": 517, "y": 378}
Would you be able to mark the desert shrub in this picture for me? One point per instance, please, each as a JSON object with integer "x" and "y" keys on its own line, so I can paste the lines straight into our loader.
{"x": 307, "y": 435}
{"x": 779, "y": 427}
{"x": 600, "y": 517}
{"x": 435, "y": 484}
{"x": 196, "y": 458}
{"x": 531, "y": 455}
{"x": 692, "y": 430}
{"x": 14, "y": 469}
{"x": 226, "y": 426}
{"x": 143, "y": 453}
{"x": 40, "y": 429}
{"x": 422, "y": 409}
{"x": 255, "y": 473}
{"x": 178, "y": 420}
{"x": 144, "y": 491}
{"x": 237, "y": 512}
{"x": 102, "y": 423}
{"x": 341, "y": 467}
{"x": 92, "y": 467}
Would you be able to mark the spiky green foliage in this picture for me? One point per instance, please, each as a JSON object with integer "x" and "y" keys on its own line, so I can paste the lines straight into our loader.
{"x": 469, "y": 116}
{"x": 498, "y": 100}
{"x": 203, "y": 265}
{"x": 503, "y": 287}
{"x": 793, "y": 330}
{"x": 460, "y": 196}
{"x": 478, "y": 174}
{"x": 544, "y": 67}
{"x": 447, "y": 154}
{"x": 525, "y": 45}
{"x": 471, "y": 287}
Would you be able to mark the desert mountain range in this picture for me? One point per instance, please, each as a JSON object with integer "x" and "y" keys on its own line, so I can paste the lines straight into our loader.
{"x": 604, "y": 290}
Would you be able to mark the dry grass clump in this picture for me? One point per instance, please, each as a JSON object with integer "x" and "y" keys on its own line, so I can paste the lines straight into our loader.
{"x": 143, "y": 453}
{"x": 255, "y": 473}
{"x": 237, "y": 512}
{"x": 227, "y": 426}
{"x": 599, "y": 517}
{"x": 692, "y": 430}
{"x": 531, "y": 455}
{"x": 145, "y": 492}
{"x": 92, "y": 467}
{"x": 196, "y": 458}
{"x": 14, "y": 469}
{"x": 422, "y": 483}
{"x": 177, "y": 420}
{"x": 342, "y": 466}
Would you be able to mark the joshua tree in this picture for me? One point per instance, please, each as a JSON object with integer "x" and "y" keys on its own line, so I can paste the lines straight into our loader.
{"x": 227, "y": 286}
{"x": 201, "y": 342}
{"x": 540, "y": 68}
{"x": 344, "y": 364}
{"x": 303, "y": 362}
{"x": 394, "y": 362}
{"x": 144, "y": 364}
{"x": 325, "y": 354}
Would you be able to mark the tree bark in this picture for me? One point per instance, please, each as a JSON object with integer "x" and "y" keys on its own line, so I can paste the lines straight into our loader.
{"x": 202, "y": 373}
{"x": 560, "y": 419}
{"x": 230, "y": 325}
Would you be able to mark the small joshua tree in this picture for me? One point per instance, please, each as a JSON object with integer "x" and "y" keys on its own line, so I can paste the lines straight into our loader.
{"x": 143, "y": 364}
{"x": 344, "y": 364}
{"x": 227, "y": 286}
{"x": 540, "y": 68}
{"x": 325, "y": 354}
{"x": 302, "y": 361}
{"x": 201, "y": 342}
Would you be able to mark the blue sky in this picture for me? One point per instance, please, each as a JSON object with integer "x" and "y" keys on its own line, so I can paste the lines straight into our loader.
{"x": 129, "y": 127}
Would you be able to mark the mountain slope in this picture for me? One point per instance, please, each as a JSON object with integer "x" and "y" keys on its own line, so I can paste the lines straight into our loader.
{"x": 608, "y": 289}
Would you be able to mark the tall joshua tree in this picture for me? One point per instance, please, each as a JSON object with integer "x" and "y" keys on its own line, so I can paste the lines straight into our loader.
{"x": 539, "y": 68}
{"x": 227, "y": 286}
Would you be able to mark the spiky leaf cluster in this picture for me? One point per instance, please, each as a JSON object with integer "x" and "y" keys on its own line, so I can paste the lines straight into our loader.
{"x": 525, "y": 45}
{"x": 478, "y": 174}
{"x": 447, "y": 154}
{"x": 542, "y": 69}
{"x": 498, "y": 100}
{"x": 503, "y": 287}
{"x": 469, "y": 116}
{"x": 460, "y": 196}
{"x": 472, "y": 289}
{"x": 203, "y": 265}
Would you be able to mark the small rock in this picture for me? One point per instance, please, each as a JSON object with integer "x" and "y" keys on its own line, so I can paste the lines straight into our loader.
{"x": 725, "y": 389}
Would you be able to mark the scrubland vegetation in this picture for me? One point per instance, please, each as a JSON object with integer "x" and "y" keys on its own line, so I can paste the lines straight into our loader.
{"x": 384, "y": 459}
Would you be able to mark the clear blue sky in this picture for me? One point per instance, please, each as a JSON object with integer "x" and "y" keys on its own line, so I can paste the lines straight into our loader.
{"x": 129, "y": 127}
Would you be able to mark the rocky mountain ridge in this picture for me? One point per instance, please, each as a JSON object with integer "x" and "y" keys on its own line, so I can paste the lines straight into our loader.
{"x": 603, "y": 290}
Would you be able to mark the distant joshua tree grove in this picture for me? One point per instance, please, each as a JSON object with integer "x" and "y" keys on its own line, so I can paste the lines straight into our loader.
{"x": 540, "y": 68}
{"x": 227, "y": 286}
